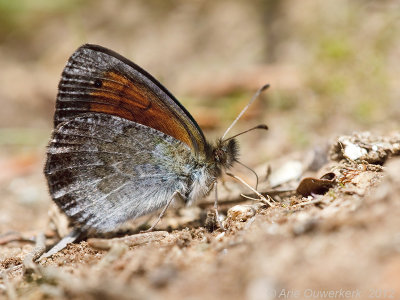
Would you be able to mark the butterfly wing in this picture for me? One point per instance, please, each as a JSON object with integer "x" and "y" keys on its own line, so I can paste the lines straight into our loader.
{"x": 97, "y": 79}
{"x": 103, "y": 170}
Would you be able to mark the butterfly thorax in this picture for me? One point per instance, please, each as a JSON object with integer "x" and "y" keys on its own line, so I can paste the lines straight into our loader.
{"x": 206, "y": 170}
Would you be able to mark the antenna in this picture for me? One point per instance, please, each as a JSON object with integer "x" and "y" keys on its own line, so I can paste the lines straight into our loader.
{"x": 261, "y": 126}
{"x": 250, "y": 169}
{"x": 260, "y": 90}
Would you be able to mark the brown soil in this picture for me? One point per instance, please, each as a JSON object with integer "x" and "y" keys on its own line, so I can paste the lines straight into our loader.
{"x": 345, "y": 242}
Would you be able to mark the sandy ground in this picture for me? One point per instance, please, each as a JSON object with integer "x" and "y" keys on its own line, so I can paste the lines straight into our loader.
{"x": 343, "y": 244}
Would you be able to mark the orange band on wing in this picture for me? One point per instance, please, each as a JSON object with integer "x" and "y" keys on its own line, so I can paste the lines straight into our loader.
{"x": 117, "y": 95}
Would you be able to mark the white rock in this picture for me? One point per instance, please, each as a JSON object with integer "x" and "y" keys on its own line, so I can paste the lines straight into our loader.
{"x": 291, "y": 170}
{"x": 353, "y": 151}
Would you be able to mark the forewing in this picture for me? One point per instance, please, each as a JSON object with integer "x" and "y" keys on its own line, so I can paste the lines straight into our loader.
{"x": 97, "y": 79}
{"x": 103, "y": 170}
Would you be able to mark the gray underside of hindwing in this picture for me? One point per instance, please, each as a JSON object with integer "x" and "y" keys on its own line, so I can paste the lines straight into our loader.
{"x": 103, "y": 170}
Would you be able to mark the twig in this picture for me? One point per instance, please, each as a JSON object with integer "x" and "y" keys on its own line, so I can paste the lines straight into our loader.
{"x": 250, "y": 198}
{"x": 89, "y": 288}
{"x": 40, "y": 248}
{"x": 270, "y": 193}
{"x": 262, "y": 198}
{"x": 13, "y": 236}
{"x": 308, "y": 202}
{"x": 116, "y": 252}
{"x": 131, "y": 240}
{"x": 70, "y": 238}
{"x": 8, "y": 285}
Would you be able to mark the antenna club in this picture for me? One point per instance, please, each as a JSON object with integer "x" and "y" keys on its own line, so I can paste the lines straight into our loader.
{"x": 262, "y": 126}
{"x": 264, "y": 87}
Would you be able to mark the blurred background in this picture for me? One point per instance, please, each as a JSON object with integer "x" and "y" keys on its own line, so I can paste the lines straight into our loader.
{"x": 333, "y": 68}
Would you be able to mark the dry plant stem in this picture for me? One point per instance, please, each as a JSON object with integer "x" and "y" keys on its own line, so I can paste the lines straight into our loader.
{"x": 308, "y": 203}
{"x": 266, "y": 194}
{"x": 278, "y": 192}
{"x": 262, "y": 198}
{"x": 9, "y": 287}
{"x": 67, "y": 281}
{"x": 40, "y": 248}
{"x": 248, "y": 197}
{"x": 13, "y": 237}
{"x": 70, "y": 238}
{"x": 163, "y": 212}
{"x": 115, "y": 253}
{"x": 91, "y": 288}
{"x": 216, "y": 206}
{"x": 131, "y": 240}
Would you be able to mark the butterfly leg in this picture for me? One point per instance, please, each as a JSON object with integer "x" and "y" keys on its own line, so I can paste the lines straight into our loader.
{"x": 70, "y": 238}
{"x": 176, "y": 193}
{"x": 216, "y": 206}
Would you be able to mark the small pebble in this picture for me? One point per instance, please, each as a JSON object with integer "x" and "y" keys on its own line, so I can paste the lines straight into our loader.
{"x": 241, "y": 212}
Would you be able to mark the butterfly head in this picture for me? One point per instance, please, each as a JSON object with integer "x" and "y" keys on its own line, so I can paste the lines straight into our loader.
{"x": 225, "y": 153}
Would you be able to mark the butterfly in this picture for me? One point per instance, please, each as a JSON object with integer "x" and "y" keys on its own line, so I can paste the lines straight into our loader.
{"x": 123, "y": 146}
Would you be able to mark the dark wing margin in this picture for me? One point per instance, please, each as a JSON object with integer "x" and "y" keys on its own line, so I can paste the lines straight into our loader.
{"x": 100, "y": 80}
